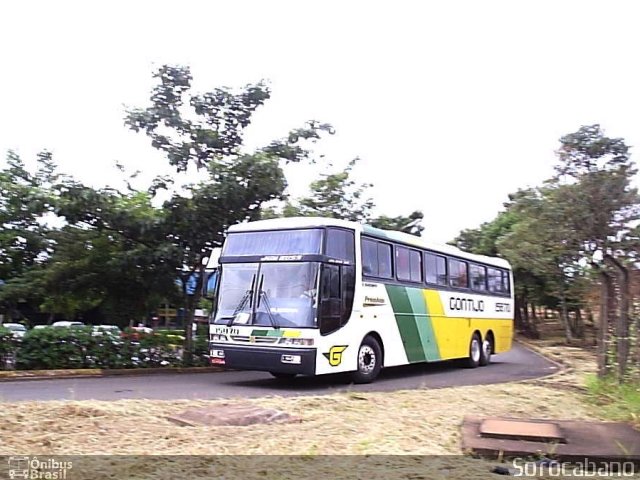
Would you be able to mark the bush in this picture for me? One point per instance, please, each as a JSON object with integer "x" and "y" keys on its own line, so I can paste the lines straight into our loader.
{"x": 65, "y": 348}
{"x": 55, "y": 348}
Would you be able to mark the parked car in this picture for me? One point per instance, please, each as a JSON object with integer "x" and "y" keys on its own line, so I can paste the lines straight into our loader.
{"x": 106, "y": 330}
{"x": 67, "y": 324}
{"x": 145, "y": 330}
{"x": 17, "y": 329}
{"x": 134, "y": 333}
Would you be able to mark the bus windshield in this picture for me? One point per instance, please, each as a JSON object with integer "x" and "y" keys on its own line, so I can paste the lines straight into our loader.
{"x": 269, "y": 294}
{"x": 279, "y": 242}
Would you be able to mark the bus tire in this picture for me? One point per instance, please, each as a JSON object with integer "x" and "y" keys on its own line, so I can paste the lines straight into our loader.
{"x": 283, "y": 376}
{"x": 369, "y": 361}
{"x": 475, "y": 351}
{"x": 487, "y": 349}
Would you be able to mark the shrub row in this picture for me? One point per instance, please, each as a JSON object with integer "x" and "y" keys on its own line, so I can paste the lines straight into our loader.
{"x": 64, "y": 348}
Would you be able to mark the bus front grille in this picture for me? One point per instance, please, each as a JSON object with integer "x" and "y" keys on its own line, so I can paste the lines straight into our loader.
{"x": 252, "y": 339}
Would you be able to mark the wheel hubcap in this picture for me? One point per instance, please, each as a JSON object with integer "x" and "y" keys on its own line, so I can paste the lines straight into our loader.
{"x": 486, "y": 347}
{"x": 475, "y": 350}
{"x": 366, "y": 359}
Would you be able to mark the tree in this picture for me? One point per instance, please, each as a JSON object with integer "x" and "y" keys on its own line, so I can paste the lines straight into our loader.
{"x": 338, "y": 195}
{"x": 546, "y": 253}
{"x": 25, "y": 200}
{"x": 411, "y": 224}
{"x": 206, "y": 131}
{"x": 595, "y": 173}
{"x": 112, "y": 254}
{"x": 580, "y": 222}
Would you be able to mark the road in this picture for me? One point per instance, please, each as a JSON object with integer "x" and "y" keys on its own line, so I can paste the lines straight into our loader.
{"x": 518, "y": 364}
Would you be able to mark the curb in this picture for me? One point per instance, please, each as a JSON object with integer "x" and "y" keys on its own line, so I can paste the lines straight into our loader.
{"x": 563, "y": 367}
{"x": 27, "y": 375}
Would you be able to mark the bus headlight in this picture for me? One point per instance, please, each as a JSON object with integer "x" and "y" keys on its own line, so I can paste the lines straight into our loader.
{"x": 295, "y": 341}
{"x": 216, "y": 337}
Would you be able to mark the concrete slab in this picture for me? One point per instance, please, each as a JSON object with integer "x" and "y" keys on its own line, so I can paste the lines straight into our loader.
{"x": 597, "y": 441}
{"x": 534, "y": 431}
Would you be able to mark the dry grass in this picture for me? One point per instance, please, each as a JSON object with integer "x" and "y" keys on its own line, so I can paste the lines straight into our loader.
{"x": 419, "y": 422}
{"x": 416, "y": 422}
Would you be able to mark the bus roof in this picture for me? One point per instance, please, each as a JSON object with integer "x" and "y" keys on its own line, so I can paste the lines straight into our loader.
{"x": 400, "y": 237}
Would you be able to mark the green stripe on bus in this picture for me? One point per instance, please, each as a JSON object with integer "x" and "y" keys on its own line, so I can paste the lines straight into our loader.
{"x": 403, "y": 312}
{"x": 423, "y": 323}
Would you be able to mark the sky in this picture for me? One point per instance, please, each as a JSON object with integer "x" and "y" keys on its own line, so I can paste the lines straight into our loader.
{"x": 450, "y": 105}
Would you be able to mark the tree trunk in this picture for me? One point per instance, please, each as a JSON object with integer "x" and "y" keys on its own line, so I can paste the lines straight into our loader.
{"x": 187, "y": 354}
{"x": 622, "y": 319}
{"x": 533, "y": 324}
{"x": 578, "y": 324}
{"x": 190, "y": 302}
{"x": 603, "y": 327}
{"x": 517, "y": 313}
{"x": 564, "y": 314}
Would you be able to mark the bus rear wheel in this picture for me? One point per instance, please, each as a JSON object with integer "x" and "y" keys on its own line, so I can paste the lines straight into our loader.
{"x": 369, "y": 361}
{"x": 487, "y": 350}
{"x": 475, "y": 351}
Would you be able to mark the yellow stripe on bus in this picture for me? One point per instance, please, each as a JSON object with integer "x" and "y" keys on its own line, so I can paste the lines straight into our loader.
{"x": 453, "y": 334}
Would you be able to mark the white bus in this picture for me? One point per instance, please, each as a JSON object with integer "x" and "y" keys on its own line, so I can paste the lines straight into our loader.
{"x": 313, "y": 296}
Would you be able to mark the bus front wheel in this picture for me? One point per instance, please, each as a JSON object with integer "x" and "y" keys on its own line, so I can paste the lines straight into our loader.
{"x": 475, "y": 351}
{"x": 369, "y": 361}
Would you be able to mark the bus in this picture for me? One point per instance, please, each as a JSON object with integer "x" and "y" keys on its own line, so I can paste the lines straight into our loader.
{"x": 316, "y": 296}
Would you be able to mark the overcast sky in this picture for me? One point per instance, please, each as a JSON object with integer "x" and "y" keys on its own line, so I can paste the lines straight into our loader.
{"x": 451, "y": 105}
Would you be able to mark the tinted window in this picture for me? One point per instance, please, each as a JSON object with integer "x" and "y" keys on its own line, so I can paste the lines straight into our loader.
{"x": 402, "y": 263}
{"x": 478, "y": 277}
{"x": 340, "y": 244}
{"x": 369, "y": 257}
{"x": 384, "y": 260}
{"x": 408, "y": 265}
{"x": 416, "y": 266}
{"x": 376, "y": 258}
{"x": 458, "y": 273}
{"x": 334, "y": 289}
{"x": 436, "y": 269}
{"x": 498, "y": 280}
{"x": 505, "y": 282}
{"x": 281, "y": 242}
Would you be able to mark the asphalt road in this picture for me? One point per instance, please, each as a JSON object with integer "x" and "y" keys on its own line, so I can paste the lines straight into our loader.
{"x": 518, "y": 364}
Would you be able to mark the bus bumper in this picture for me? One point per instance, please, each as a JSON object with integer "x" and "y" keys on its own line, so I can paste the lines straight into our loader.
{"x": 279, "y": 360}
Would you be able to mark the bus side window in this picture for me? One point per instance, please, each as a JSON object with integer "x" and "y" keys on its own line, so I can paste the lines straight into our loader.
{"x": 384, "y": 260}
{"x": 436, "y": 269}
{"x": 369, "y": 257}
{"x": 478, "y": 277}
{"x": 458, "y": 273}
{"x": 495, "y": 279}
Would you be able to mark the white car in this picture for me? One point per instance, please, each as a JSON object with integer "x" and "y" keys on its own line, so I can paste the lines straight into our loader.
{"x": 106, "y": 330}
{"x": 17, "y": 330}
{"x": 66, "y": 324}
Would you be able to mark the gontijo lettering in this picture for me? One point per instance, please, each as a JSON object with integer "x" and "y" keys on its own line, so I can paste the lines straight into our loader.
{"x": 466, "y": 304}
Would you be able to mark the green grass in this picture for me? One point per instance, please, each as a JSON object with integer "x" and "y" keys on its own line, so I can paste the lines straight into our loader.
{"x": 617, "y": 401}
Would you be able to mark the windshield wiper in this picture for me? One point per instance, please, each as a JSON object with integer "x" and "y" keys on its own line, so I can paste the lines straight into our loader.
{"x": 263, "y": 295}
{"x": 243, "y": 301}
